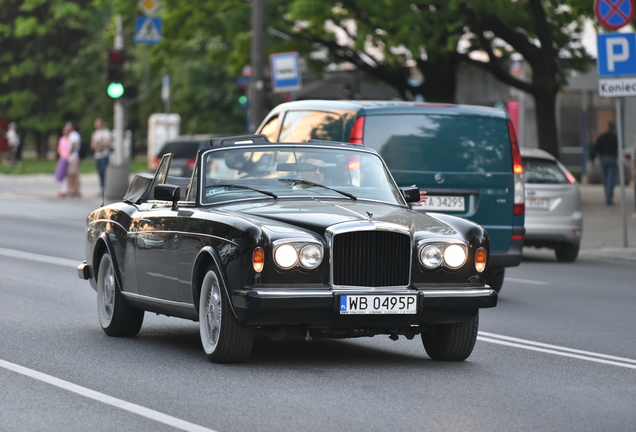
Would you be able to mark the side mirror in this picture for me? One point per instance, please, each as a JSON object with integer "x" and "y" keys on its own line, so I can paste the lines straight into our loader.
{"x": 410, "y": 193}
{"x": 168, "y": 192}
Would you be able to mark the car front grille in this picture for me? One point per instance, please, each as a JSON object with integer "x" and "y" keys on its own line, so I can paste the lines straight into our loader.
{"x": 371, "y": 259}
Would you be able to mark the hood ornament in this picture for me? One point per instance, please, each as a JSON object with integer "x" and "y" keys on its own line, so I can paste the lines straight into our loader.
{"x": 370, "y": 214}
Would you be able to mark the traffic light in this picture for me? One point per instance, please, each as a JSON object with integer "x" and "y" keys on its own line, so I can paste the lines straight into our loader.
{"x": 115, "y": 74}
{"x": 243, "y": 100}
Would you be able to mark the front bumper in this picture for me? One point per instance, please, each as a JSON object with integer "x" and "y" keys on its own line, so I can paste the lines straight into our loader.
{"x": 294, "y": 306}
{"x": 84, "y": 271}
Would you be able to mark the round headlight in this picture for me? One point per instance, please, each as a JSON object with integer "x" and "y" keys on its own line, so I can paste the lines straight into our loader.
{"x": 286, "y": 256}
{"x": 431, "y": 256}
{"x": 310, "y": 256}
{"x": 455, "y": 256}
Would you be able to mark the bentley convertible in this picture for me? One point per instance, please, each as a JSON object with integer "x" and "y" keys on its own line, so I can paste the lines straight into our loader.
{"x": 287, "y": 239}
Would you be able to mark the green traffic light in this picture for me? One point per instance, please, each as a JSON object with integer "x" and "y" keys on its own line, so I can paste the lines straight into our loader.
{"x": 242, "y": 99}
{"x": 115, "y": 90}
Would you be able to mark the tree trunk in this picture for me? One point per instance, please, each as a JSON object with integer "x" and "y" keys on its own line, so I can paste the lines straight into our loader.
{"x": 440, "y": 80}
{"x": 547, "y": 131}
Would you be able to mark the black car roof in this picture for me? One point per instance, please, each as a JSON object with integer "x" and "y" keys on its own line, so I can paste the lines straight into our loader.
{"x": 390, "y": 107}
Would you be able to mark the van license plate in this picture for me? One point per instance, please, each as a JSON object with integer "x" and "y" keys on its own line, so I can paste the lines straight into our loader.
{"x": 378, "y": 304}
{"x": 442, "y": 203}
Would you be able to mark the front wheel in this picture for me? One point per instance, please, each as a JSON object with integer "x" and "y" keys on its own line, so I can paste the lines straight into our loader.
{"x": 116, "y": 317}
{"x": 224, "y": 339}
{"x": 451, "y": 341}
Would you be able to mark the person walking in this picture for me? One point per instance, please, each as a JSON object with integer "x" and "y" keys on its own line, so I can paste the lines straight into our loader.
{"x": 13, "y": 140}
{"x": 607, "y": 149}
{"x": 72, "y": 172}
{"x": 101, "y": 142}
{"x": 62, "y": 162}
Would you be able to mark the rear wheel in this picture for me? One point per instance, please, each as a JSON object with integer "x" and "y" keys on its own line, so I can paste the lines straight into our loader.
{"x": 116, "y": 317}
{"x": 567, "y": 252}
{"x": 224, "y": 339}
{"x": 495, "y": 278}
{"x": 453, "y": 342}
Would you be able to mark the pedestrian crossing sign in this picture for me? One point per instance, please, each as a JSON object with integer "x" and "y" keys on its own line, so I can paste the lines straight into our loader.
{"x": 148, "y": 30}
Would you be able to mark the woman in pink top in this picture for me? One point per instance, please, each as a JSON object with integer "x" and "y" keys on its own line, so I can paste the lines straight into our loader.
{"x": 63, "y": 151}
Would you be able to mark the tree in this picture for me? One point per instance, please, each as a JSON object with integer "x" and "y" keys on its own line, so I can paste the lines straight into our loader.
{"x": 38, "y": 43}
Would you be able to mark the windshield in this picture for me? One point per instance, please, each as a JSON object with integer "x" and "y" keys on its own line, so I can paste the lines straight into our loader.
{"x": 277, "y": 172}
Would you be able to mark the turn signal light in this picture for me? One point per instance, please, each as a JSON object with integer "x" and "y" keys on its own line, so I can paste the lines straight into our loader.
{"x": 480, "y": 260}
{"x": 258, "y": 259}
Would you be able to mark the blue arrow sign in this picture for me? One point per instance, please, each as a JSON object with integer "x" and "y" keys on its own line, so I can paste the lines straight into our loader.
{"x": 148, "y": 30}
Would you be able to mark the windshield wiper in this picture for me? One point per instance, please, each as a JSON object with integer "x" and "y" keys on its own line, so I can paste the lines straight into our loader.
{"x": 294, "y": 181}
{"x": 230, "y": 185}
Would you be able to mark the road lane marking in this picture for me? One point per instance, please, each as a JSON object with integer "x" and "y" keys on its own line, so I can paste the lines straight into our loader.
{"x": 109, "y": 400}
{"x": 556, "y": 350}
{"x": 526, "y": 281}
{"x": 39, "y": 258}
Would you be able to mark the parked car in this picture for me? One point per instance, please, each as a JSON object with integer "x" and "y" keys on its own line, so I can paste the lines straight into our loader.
{"x": 466, "y": 158}
{"x": 184, "y": 153}
{"x": 309, "y": 239}
{"x": 553, "y": 205}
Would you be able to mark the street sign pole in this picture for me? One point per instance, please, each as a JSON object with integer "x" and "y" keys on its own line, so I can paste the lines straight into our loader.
{"x": 117, "y": 171}
{"x": 621, "y": 168}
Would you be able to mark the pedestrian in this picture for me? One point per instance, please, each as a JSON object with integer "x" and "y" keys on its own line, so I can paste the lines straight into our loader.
{"x": 101, "y": 142}
{"x": 606, "y": 148}
{"x": 72, "y": 172}
{"x": 62, "y": 162}
{"x": 14, "y": 143}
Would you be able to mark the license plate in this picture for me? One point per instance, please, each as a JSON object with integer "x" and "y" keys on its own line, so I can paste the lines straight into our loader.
{"x": 378, "y": 304}
{"x": 538, "y": 203}
{"x": 442, "y": 203}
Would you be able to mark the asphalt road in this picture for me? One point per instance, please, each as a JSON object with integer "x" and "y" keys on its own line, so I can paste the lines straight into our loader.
{"x": 557, "y": 353}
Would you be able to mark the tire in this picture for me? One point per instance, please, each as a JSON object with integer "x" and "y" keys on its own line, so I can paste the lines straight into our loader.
{"x": 567, "y": 252}
{"x": 116, "y": 317}
{"x": 495, "y": 278}
{"x": 224, "y": 339}
{"x": 451, "y": 342}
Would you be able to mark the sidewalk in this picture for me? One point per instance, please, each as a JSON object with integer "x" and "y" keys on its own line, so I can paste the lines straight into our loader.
{"x": 602, "y": 225}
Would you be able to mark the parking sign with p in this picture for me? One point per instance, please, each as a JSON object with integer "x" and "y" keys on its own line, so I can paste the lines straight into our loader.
{"x": 616, "y": 54}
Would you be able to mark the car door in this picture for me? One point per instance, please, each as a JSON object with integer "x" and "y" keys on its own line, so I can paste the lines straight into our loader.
{"x": 156, "y": 244}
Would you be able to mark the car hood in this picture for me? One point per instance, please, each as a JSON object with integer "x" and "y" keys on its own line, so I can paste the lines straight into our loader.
{"x": 317, "y": 215}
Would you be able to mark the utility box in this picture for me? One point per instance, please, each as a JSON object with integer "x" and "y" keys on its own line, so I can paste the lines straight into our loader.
{"x": 161, "y": 128}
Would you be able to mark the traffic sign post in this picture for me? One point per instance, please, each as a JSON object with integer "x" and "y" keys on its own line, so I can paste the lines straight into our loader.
{"x": 616, "y": 65}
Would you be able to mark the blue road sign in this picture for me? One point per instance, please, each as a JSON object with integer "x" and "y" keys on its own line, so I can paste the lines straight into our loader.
{"x": 285, "y": 70}
{"x": 614, "y": 14}
{"x": 616, "y": 54}
{"x": 148, "y": 30}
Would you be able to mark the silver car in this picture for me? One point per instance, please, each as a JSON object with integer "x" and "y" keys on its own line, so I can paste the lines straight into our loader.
{"x": 553, "y": 205}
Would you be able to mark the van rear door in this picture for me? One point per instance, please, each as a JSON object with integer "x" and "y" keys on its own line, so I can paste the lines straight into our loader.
{"x": 463, "y": 161}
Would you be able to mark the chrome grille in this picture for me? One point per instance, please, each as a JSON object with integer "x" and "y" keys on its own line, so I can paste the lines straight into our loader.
{"x": 371, "y": 259}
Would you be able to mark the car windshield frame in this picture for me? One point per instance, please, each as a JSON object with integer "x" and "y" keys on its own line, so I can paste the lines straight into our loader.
{"x": 350, "y": 173}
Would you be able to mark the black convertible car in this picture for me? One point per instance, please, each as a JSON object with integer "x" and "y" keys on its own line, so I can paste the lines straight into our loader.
{"x": 310, "y": 239}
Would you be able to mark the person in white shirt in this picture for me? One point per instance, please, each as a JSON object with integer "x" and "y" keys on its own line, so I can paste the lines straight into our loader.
{"x": 72, "y": 172}
{"x": 14, "y": 143}
{"x": 101, "y": 143}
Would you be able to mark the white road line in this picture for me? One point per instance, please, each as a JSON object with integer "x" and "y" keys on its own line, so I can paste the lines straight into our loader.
{"x": 39, "y": 258}
{"x": 526, "y": 281}
{"x": 109, "y": 400}
{"x": 557, "y": 350}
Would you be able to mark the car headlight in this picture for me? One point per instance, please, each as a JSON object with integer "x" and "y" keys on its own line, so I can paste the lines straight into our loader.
{"x": 307, "y": 255}
{"x": 310, "y": 256}
{"x": 431, "y": 256}
{"x": 286, "y": 256}
{"x": 454, "y": 256}
{"x": 451, "y": 255}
